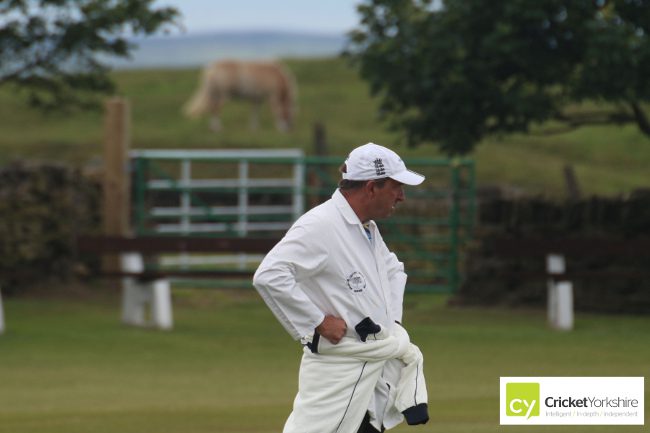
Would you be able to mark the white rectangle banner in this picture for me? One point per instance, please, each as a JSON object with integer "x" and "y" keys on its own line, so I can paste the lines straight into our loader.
{"x": 571, "y": 400}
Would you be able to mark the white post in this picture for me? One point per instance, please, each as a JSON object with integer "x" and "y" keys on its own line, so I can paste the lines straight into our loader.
{"x": 133, "y": 297}
{"x": 298, "y": 182}
{"x": 555, "y": 265}
{"x": 243, "y": 206}
{"x": 551, "y": 308}
{"x": 161, "y": 304}
{"x": 564, "y": 321}
{"x": 137, "y": 296}
{"x": 2, "y": 316}
{"x": 243, "y": 198}
{"x": 560, "y": 295}
{"x": 186, "y": 205}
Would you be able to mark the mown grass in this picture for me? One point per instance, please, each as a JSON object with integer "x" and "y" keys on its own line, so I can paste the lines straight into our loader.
{"x": 607, "y": 160}
{"x": 69, "y": 366}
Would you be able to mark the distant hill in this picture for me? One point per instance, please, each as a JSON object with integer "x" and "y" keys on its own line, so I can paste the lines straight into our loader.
{"x": 182, "y": 51}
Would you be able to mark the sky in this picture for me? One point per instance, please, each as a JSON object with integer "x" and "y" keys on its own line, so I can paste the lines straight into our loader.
{"x": 315, "y": 16}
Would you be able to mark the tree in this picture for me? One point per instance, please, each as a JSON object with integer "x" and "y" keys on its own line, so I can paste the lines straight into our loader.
{"x": 456, "y": 71}
{"x": 50, "y": 49}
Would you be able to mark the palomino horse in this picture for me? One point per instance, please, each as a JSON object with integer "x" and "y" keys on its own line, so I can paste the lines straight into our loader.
{"x": 256, "y": 82}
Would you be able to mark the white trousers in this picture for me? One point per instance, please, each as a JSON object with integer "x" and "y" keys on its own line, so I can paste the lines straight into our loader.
{"x": 340, "y": 383}
{"x": 333, "y": 394}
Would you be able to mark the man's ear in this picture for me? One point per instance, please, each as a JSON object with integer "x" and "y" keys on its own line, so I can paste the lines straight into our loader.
{"x": 370, "y": 187}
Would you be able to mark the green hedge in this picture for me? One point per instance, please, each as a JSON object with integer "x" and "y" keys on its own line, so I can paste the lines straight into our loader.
{"x": 42, "y": 208}
{"x": 493, "y": 280}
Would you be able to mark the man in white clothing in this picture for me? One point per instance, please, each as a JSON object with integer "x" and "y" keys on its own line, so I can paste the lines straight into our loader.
{"x": 335, "y": 286}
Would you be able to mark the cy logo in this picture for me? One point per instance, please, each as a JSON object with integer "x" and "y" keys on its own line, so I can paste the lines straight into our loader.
{"x": 522, "y": 399}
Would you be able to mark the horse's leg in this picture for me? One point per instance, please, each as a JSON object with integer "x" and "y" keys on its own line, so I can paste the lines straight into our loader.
{"x": 215, "y": 121}
{"x": 278, "y": 113}
{"x": 254, "y": 122}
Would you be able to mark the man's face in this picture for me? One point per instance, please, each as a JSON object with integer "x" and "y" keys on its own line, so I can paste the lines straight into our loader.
{"x": 384, "y": 198}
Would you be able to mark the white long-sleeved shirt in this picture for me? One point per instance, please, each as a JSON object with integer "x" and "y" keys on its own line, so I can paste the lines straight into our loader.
{"x": 327, "y": 265}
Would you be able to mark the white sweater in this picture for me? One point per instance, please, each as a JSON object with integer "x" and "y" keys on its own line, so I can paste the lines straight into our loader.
{"x": 326, "y": 264}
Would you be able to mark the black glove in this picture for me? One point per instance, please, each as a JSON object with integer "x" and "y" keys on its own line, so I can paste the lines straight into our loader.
{"x": 366, "y": 327}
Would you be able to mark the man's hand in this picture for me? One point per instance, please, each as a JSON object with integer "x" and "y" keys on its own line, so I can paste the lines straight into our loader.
{"x": 332, "y": 328}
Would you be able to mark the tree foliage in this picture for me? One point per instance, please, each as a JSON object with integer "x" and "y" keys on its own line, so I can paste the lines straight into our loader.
{"x": 51, "y": 49}
{"x": 456, "y": 71}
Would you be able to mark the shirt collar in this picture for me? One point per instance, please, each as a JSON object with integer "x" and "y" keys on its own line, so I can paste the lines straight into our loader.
{"x": 346, "y": 210}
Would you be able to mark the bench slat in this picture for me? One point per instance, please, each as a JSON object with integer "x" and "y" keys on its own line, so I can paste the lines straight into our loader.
{"x": 585, "y": 247}
{"x": 163, "y": 244}
{"x": 156, "y": 275}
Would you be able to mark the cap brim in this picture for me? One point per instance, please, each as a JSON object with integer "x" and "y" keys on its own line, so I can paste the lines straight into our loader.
{"x": 408, "y": 177}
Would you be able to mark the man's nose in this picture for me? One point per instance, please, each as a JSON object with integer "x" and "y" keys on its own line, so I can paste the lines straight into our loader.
{"x": 400, "y": 194}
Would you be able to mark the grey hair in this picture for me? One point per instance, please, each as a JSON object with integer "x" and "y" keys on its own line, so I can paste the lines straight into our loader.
{"x": 348, "y": 185}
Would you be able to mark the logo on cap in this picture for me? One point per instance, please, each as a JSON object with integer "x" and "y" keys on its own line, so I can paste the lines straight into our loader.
{"x": 379, "y": 167}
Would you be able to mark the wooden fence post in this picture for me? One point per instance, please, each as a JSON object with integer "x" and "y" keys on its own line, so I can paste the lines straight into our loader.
{"x": 571, "y": 182}
{"x": 116, "y": 184}
{"x": 313, "y": 179}
{"x": 2, "y": 316}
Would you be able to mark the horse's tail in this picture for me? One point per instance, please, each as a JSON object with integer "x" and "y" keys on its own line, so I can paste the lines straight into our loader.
{"x": 200, "y": 101}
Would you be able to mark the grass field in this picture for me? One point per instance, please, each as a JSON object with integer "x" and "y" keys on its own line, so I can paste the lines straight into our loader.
{"x": 68, "y": 366}
{"x": 607, "y": 160}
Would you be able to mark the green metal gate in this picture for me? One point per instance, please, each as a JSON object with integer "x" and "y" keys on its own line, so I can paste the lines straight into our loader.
{"x": 261, "y": 192}
{"x": 430, "y": 228}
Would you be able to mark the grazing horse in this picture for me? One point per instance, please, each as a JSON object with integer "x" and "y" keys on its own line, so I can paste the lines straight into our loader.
{"x": 256, "y": 82}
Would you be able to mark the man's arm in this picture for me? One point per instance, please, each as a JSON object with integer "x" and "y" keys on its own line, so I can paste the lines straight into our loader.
{"x": 300, "y": 254}
{"x": 332, "y": 328}
{"x": 397, "y": 279}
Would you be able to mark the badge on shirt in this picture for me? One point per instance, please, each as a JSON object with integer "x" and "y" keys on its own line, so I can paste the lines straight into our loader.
{"x": 356, "y": 282}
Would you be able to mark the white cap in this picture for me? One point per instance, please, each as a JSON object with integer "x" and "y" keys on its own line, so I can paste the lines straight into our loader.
{"x": 372, "y": 161}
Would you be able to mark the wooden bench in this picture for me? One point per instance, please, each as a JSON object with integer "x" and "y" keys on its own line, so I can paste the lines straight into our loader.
{"x": 573, "y": 248}
{"x": 157, "y": 245}
{"x": 144, "y": 289}
{"x": 556, "y": 253}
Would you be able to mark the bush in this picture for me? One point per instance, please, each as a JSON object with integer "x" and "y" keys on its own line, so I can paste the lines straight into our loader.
{"x": 493, "y": 279}
{"x": 42, "y": 209}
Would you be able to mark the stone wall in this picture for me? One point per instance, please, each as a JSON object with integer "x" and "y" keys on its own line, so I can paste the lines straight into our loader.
{"x": 493, "y": 279}
{"x": 42, "y": 208}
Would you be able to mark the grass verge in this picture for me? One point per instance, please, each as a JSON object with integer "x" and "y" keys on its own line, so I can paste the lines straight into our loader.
{"x": 68, "y": 365}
